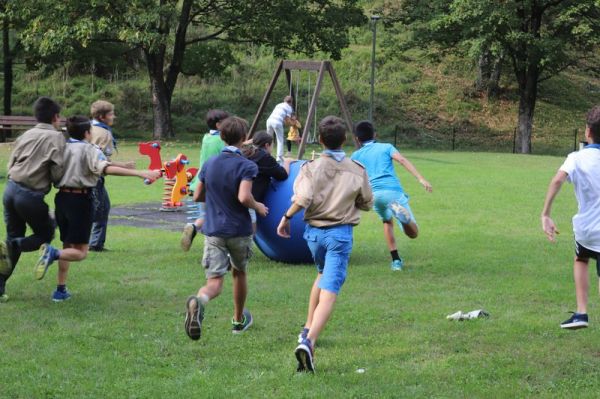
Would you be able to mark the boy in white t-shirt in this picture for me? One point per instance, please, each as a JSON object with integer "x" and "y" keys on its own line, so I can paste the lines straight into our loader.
{"x": 583, "y": 170}
{"x": 277, "y": 119}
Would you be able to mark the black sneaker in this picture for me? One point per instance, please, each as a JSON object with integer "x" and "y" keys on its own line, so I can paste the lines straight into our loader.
{"x": 239, "y": 327}
{"x": 305, "y": 355}
{"x": 193, "y": 318}
{"x": 303, "y": 334}
{"x": 578, "y": 320}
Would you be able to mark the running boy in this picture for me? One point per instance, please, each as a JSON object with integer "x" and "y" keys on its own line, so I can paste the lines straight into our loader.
{"x": 84, "y": 165}
{"x": 211, "y": 146}
{"x": 331, "y": 189}
{"x": 390, "y": 199}
{"x": 35, "y": 162}
{"x": 581, "y": 168}
{"x": 225, "y": 183}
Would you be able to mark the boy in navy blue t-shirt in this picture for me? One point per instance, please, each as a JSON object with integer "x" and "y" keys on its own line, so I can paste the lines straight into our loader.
{"x": 225, "y": 185}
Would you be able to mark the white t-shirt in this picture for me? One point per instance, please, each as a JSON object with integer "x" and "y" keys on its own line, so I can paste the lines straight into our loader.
{"x": 279, "y": 113}
{"x": 583, "y": 169}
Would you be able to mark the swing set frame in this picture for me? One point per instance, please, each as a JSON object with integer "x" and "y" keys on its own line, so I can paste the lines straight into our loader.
{"x": 288, "y": 66}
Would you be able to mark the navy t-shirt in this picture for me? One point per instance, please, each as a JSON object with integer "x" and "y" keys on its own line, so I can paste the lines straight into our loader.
{"x": 221, "y": 175}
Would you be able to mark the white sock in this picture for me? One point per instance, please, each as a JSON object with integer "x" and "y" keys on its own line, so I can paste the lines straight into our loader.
{"x": 203, "y": 298}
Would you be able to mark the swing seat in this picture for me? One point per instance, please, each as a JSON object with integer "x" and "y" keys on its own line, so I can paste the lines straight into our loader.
{"x": 278, "y": 199}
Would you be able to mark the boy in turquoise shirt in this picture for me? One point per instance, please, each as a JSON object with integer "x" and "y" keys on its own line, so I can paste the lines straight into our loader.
{"x": 211, "y": 145}
{"x": 390, "y": 198}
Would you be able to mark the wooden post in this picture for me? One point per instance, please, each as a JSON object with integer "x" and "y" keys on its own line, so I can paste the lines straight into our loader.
{"x": 515, "y": 141}
{"x": 263, "y": 103}
{"x": 311, "y": 111}
{"x": 453, "y": 137}
{"x": 576, "y": 141}
{"x": 343, "y": 106}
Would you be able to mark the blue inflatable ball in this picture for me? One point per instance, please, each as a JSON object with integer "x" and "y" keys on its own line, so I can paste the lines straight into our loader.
{"x": 278, "y": 200}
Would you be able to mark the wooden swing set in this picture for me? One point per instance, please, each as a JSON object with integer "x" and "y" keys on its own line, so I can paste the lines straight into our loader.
{"x": 288, "y": 66}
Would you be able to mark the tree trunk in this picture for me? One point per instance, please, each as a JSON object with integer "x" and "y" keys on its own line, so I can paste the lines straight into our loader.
{"x": 527, "y": 100}
{"x": 8, "y": 74}
{"x": 161, "y": 96}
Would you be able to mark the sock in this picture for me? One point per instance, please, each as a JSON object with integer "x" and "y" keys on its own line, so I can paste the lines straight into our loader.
{"x": 61, "y": 288}
{"x": 203, "y": 298}
{"x": 395, "y": 255}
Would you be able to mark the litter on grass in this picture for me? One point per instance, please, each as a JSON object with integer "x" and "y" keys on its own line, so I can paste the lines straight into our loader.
{"x": 474, "y": 314}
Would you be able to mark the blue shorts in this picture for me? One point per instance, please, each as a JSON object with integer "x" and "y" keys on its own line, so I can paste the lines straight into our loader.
{"x": 330, "y": 248}
{"x": 382, "y": 202}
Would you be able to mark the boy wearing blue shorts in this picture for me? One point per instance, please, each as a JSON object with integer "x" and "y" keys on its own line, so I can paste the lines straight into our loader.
{"x": 225, "y": 184}
{"x": 332, "y": 190}
{"x": 84, "y": 164}
{"x": 582, "y": 168}
{"x": 390, "y": 199}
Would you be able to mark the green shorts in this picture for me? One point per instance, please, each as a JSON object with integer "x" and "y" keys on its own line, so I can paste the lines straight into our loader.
{"x": 221, "y": 254}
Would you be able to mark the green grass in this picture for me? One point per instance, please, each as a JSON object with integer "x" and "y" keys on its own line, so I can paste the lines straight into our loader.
{"x": 481, "y": 246}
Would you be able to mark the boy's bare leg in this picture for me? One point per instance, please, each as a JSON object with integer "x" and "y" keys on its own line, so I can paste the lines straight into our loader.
{"x": 580, "y": 273}
{"x": 313, "y": 301}
{"x": 240, "y": 291}
{"x": 211, "y": 289}
{"x": 74, "y": 252}
{"x": 321, "y": 314}
{"x": 388, "y": 232}
{"x": 411, "y": 230}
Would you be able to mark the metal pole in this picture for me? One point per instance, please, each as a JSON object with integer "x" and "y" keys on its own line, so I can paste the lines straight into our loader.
{"x": 374, "y": 19}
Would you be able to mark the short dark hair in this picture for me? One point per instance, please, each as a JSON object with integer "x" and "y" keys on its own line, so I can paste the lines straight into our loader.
{"x": 45, "y": 109}
{"x": 364, "y": 131}
{"x": 262, "y": 138}
{"x": 593, "y": 123}
{"x": 332, "y": 131}
{"x": 233, "y": 130}
{"x": 214, "y": 116}
{"x": 77, "y": 126}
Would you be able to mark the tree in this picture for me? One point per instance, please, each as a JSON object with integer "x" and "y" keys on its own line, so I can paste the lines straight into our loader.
{"x": 540, "y": 38}
{"x": 163, "y": 30}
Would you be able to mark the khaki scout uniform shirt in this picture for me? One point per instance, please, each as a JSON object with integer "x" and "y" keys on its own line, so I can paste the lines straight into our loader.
{"x": 83, "y": 166}
{"x": 332, "y": 192}
{"x": 37, "y": 158}
{"x": 103, "y": 138}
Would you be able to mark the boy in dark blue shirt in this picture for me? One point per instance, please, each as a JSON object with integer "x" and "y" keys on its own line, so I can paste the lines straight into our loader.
{"x": 225, "y": 185}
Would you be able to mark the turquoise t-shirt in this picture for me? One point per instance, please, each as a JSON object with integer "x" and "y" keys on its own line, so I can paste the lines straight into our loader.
{"x": 377, "y": 160}
{"x": 212, "y": 145}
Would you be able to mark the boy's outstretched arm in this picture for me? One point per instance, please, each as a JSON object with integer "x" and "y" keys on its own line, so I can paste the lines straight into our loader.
{"x": 413, "y": 171}
{"x": 143, "y": 174}
{"x": 247, "y": 199}
{"x": 547, "y": 223}
{"x": 199, "y": 192}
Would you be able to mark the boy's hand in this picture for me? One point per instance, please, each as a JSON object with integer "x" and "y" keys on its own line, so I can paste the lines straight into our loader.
{"x": 283, "y": 230}
{"x": 151, "y": 175}
{"x": 261, "y": 209}
{"x": 426, "y": 184}
{"x": 129, "y": 165}
{"x": 549, "y": 228}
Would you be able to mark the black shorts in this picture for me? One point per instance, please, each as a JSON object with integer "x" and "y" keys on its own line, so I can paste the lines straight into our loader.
{"x": 583, "y": 253}
{"x": 74, "y": 217}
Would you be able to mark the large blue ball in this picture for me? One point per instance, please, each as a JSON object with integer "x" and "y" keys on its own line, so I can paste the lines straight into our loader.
{"x": 278, "y": 200}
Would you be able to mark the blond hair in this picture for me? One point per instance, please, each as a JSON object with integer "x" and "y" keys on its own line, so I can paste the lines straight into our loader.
{"x": 100, "y": 108}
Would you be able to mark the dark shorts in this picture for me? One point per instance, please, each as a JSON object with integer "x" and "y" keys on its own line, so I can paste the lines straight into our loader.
{"x": 583, "y": 253}
{"x": 74, "y": 217}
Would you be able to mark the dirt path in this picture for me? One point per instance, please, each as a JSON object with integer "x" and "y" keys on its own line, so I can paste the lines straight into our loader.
{"x": 148, "y": 216}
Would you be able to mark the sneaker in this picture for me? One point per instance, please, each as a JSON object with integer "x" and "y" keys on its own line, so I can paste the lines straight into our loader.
{"x": 47, "y": 253}
{"x": 397, "y": 264}
{"x": 239, "y": 327}
{"x": 400, "y": 213}
{"x": 98, "y": 249}
{"x": 305, "y": 354}
{"x": 3, "y": 298}
{"x": 578, "y": 320}
{"x": 193, "y": 318}
{"x": 187, "y": 237}
{"x": 5, "y": 266}
{"x": 60, "y": 296}
{"x": 303, "y": 334}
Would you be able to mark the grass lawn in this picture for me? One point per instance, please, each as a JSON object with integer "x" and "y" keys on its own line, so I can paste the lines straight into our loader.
{"x": 481, "y": 246}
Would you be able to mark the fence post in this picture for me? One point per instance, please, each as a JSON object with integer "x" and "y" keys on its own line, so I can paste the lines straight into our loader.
{"x": 453, "y": 137}
{"x": 515, "y": 140}
{"x": 575, "y": 142}
{"x": 395, "y": 136}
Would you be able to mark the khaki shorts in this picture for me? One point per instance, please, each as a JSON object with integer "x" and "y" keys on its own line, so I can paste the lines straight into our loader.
{"x": 220, "y": 254}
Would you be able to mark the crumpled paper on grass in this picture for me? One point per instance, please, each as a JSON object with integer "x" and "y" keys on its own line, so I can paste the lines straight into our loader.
{"x": 474, "y": 314}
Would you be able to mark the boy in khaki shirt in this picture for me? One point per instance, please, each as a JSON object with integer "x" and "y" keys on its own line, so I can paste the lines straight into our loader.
{"x": 84, "y": 165}
{"x": 332, "y": 190}
{"x": 35, "y": 162}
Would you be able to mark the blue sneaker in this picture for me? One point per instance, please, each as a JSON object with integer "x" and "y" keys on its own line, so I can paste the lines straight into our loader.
{"x": 47, "y": 256}
{"x": 303, "y": 334}
{"x": 60, "y": 296}
{"x": 397, "y": 264}
{"x": 305, "y": 356}
{"x": 239, "y": 327}
{"x": 578, "y": 320}
{"x": 401, "y": 213}
{"x": 193, "y": 318}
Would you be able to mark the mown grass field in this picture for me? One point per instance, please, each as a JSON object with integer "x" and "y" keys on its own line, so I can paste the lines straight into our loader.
{"x": 481, "y": 246}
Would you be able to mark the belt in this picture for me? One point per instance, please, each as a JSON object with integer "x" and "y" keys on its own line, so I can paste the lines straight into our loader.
{"x": 74, "y": 190}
